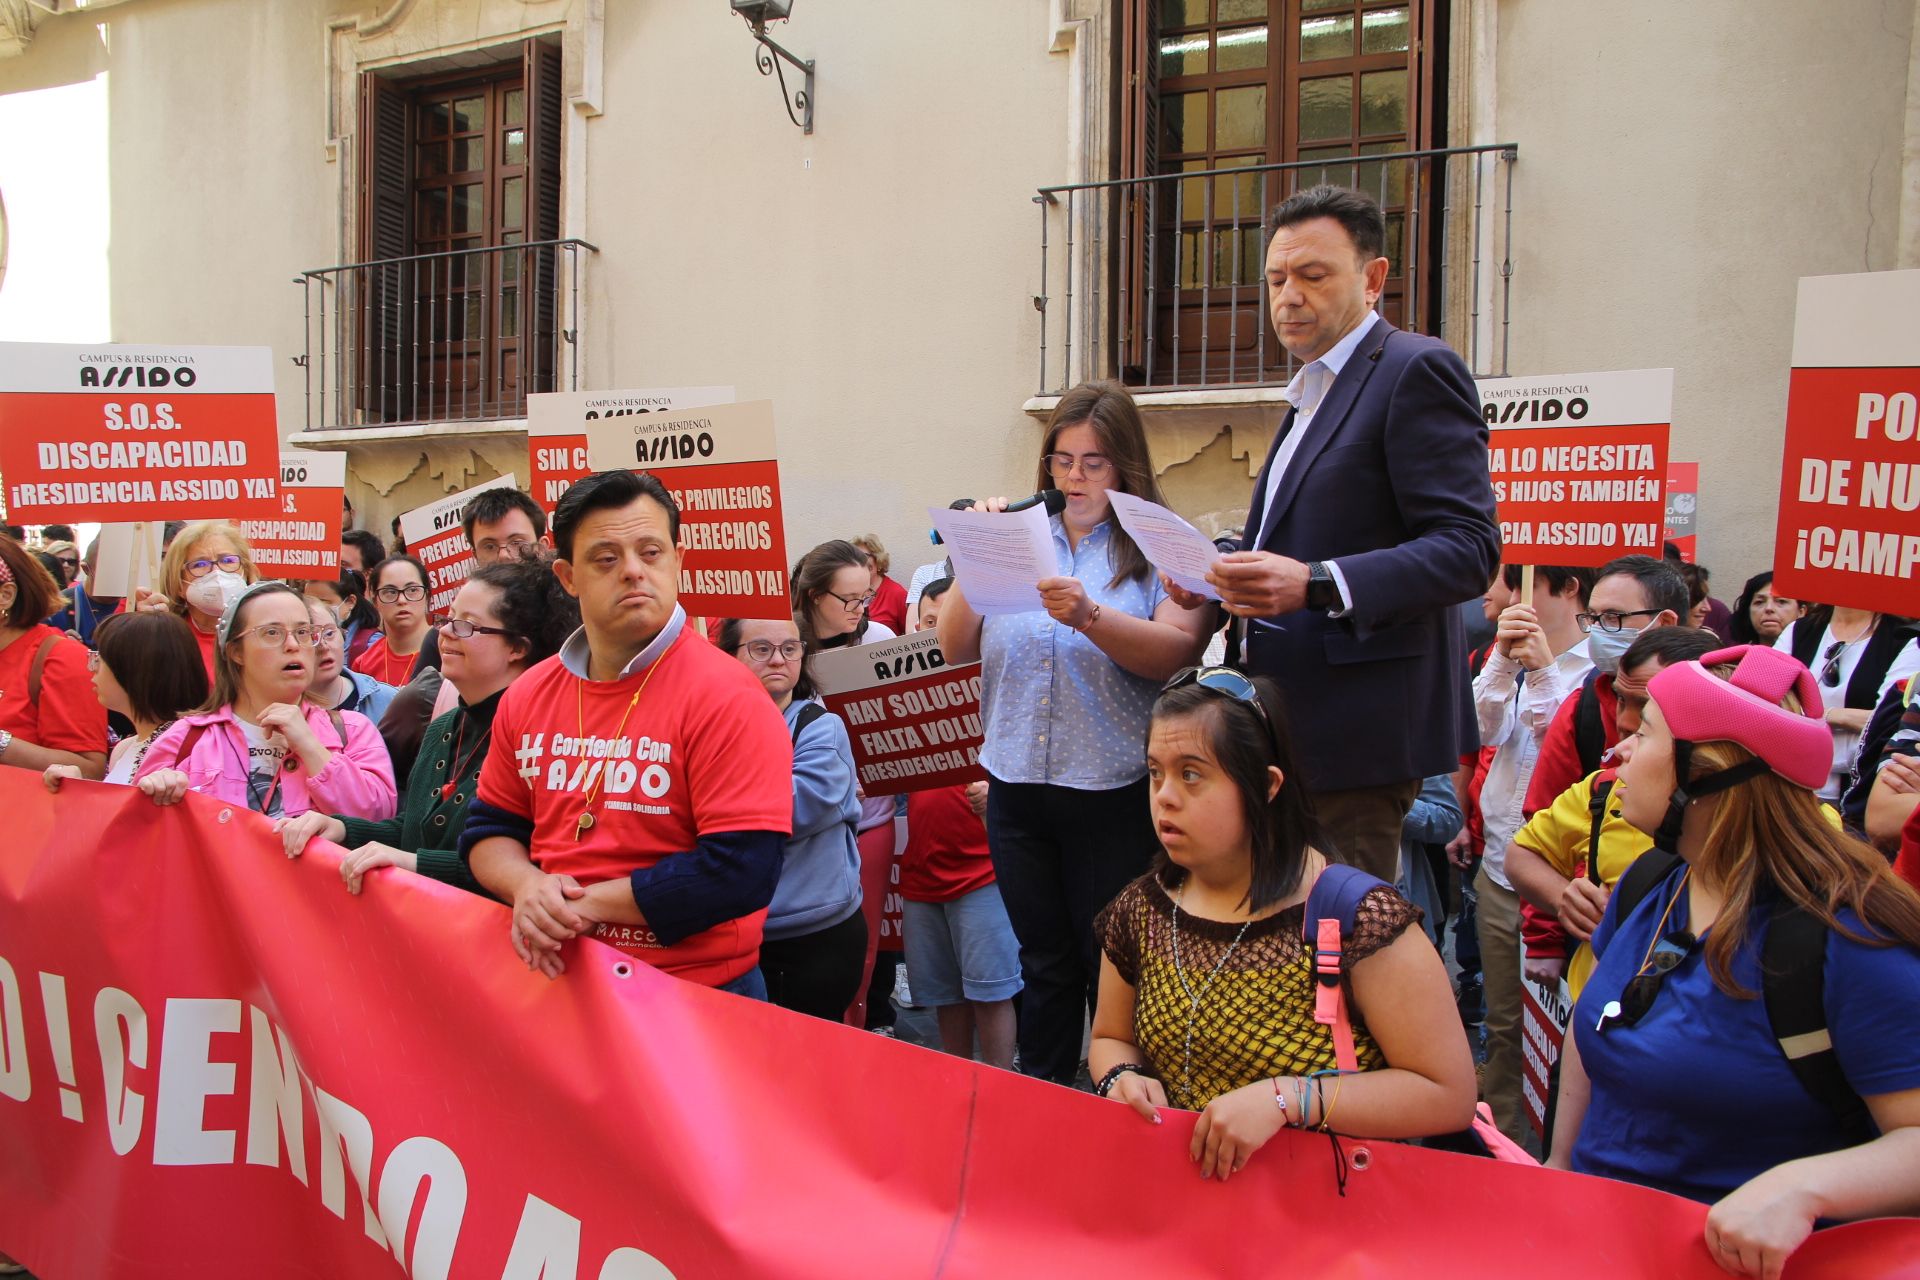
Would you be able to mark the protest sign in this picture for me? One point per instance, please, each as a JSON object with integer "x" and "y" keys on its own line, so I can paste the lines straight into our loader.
{"x": 1683, "y": 507}
{"x": 557, "y": 428}
{"x": 120, "y": 433}
{"x": 303, "y": 541}
{"x": 1578, "y": 462}
{"x": 1544, "y": 1014}
{"x": 1849, "y": 528}
{"x": 181, "y": 1095}
{"x": 721, "y": 465}
{"x": 434, "y": 537}
{"x": 914, "y": 721}
{"x": 129, "y": 559}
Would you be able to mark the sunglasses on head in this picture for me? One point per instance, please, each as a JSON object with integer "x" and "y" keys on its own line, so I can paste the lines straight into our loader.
{"x": 1235, "y": 684}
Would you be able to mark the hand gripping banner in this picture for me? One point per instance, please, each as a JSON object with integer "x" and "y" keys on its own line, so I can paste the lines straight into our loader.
{"x": 214, "y": 1061}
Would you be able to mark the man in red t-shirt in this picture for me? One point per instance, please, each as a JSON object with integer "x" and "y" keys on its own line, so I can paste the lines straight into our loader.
{"x": 640, "y": 783}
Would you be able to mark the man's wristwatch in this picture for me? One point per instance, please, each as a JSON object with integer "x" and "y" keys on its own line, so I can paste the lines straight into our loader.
{"x": 1322, "y": 594}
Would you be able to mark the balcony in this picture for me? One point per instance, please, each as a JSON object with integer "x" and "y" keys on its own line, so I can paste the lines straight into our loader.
{"x": 440, "y": 339}
{"x": 1160, "y": 281}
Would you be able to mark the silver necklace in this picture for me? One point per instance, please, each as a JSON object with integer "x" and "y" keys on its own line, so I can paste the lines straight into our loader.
{"x": 1193, "y": 998}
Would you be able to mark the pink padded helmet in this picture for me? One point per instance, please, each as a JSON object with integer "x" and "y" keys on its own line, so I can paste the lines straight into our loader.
{"x": 1701, "y": 707}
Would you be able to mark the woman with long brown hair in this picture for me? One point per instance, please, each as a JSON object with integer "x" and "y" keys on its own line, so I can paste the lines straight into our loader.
{"x": 1750, "y": 1036}
{"x": 1066, "y": 696}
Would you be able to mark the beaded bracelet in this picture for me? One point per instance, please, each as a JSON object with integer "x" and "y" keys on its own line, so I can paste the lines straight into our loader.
{"x": 1106, "y": 1081}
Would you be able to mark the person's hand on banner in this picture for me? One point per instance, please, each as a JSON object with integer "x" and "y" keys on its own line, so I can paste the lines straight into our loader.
{"x": 543, "y": 917}
{"x": 372, "y": 855}
{"x": 1066, "y": 601}
{"x": 1259, "y": 584}
{"x": 58, "y": 773}
{"x": 146, "y": 601}
{"x": 1143, "y": 1093}
{"x": 1751, "y": 1231}
{"x": 296, "y": 832}
{"x": 1520, "y": 636}
{"x": 164, "y": 786}
{"x": 1233, "y": 1127}
{"x": 1582, "y": 903}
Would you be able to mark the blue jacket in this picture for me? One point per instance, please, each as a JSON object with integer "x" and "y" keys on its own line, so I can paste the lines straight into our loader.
{"x": 820, "y": 879}
{"x": 370, "y": 696}
{"x": 1389, "y": 480}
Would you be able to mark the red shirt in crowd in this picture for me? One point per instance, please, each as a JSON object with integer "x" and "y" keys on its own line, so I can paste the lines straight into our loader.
{"x": 68, "y": 716}
{"x": 384, "y": 665}
{"x": 702, "y": 751}
{"x": 1558, "y": 765}
{"x": 889, "y": 607}
{"x": 946, "y": 856}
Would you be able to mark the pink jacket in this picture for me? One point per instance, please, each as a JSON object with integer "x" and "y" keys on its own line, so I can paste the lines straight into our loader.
{"x": 357, "y": 782}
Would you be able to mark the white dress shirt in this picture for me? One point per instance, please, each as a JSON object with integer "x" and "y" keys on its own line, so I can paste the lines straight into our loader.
{"x": 1514, "y": 714}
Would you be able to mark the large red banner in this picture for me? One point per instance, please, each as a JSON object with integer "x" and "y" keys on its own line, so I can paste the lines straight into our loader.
{"x": 215, "y": 1062}
{"x": 914, "y": 721}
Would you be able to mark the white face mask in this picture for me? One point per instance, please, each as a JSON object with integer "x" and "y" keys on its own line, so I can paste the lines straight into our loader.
{"x": 213, "y": 593}
{"x": 1605, "y": 648}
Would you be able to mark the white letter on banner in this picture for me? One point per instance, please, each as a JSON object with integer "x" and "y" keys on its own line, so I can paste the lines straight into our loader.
{"x": 546, "y": 1245}
{"x": 341, "y": 1125}
{"x": 126, "y": 1110}
{"x": 412, "y": 1162}
{"x": 273, "y": 1100}
{"x": 16, "y": 1081}
{"x": 188, "y": 1079}
{"x": 633, "y": 1264}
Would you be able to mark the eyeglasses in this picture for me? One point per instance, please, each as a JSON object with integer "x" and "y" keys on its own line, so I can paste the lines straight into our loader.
{"x": 461, "y": 629}
{"x": 515, "y": 547}
{"x": 274, "y": 634}
{"x": 72, "y": 562}
{"x": 1612, "y": 620}
{"x": 1641, "y": 989}
{"x": 1092, "y": 465}
{"x": 852, "y": 604}
{"x": 1235, "y": 684}
{"x": 201, "y": 568}
{"x": 325, "y": 635}
{"x": 413, "y": 592}
{"x": 763, "y": 650}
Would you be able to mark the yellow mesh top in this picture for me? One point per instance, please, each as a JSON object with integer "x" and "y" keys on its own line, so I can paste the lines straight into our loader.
{"x": 1255, "y": 1020}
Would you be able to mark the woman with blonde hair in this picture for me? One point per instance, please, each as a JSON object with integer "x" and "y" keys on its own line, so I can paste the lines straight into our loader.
{"x": 1750, "y": 1036}
{"x": 205, "y": 569}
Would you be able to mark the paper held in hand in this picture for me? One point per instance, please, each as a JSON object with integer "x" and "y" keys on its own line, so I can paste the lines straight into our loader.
{"x": 999, "y": 557}
{"x": 1169, "y": 543}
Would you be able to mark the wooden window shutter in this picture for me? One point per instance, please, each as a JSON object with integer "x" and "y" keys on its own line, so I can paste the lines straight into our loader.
{"x": 545, "y": 114}
{"x": 1139, "y": 158}
{"x": 383, "y": 130}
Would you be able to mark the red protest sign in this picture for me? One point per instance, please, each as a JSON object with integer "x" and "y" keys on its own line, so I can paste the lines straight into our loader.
{"x": 914, "y": 721}
{"x": 719, "y": 463}
{"x": 1588, "y": 487}
{"x": 557, "y": 428}
{"x": 303, "y": 541}
{"x": 119, "y": 433}
{"x": 1544, "y": 1014}
{"x": 1849, "y": 527}
{"x": 1683, "y": 507}
{"x": 435, "y": 537}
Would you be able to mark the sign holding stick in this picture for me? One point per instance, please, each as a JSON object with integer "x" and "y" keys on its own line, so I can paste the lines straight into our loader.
{"x": 118, "y": 433}
{"x": 435, "y": 538}
{"x": 721, "y": 465}
{"x": 557, "y": 428}
{"x": 1849, "y": 529}
{"x": 914, "y": 721}
{"x": 129, "y": 560}
{"x": 303, "y": 541}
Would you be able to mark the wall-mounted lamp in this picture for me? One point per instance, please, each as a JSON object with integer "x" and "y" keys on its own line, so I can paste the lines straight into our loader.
{"x": 798, "y": 102}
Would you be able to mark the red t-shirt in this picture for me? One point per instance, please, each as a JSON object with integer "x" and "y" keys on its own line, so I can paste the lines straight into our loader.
{"x": 384, "y": 665}
{"x": 889, "y": 607}
{"x": 68, "y": 717}
{"x": 209, "y": 645}
{"x": 946, "y": 856}
{"x": 703, "y": 751}
{"x": 1558, "y": 765}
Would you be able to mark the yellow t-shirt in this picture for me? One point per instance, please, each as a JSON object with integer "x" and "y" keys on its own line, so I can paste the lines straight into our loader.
{"x": 1561, "y": 833}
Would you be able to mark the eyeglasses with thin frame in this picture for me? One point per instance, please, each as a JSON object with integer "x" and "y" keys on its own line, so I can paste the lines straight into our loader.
{"x": 1639, "y": 993}
{"x": 852, "y": 604}
{"x": 1094, "y": 466}
{"x": 230, "y": 563}
{"x": 762, "y": 651}
{"x": 516, "y": 546}
{"x": 413, "y": 593}
{"x": 461, "y": 629}
{"x": 325, "y": 635}
{"x": 274, "y": 634}
{"x": 1612, "y": 620}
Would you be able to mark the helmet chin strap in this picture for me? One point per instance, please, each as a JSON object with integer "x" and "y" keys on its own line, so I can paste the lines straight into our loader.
{"x": 1686, "y": 792}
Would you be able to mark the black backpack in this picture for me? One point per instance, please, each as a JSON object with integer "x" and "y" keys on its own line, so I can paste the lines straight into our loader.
{"x": 1589, "y": 734}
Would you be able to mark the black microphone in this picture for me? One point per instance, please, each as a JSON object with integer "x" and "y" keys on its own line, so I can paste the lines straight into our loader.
{"x": 1054, "y": 501}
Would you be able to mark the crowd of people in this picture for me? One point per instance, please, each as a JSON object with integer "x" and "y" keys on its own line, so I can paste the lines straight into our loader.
{"x": 1227, "y": 884}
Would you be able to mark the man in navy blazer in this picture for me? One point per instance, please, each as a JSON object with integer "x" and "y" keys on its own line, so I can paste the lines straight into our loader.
{"x": 1372, "y": 519}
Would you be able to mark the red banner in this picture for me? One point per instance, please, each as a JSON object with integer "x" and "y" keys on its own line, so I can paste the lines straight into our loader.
{"x": 557, "y": 428}
{"x": 1683, "y": 507}
{"x": 436, "y": 536}
{"x": 914, "y": 721}
{"x": 303, "y": 541}
{"x": 1544, "y": 1012}
{"x": 214, "y": 1061}
{"x": 119, "y": 433}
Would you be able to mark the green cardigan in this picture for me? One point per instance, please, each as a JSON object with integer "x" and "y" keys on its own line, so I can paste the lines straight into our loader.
{"x": 429, "y": 823}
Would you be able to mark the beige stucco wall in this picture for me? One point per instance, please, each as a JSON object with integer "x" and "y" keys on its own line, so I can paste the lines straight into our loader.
{"x": 1681, "y": 166}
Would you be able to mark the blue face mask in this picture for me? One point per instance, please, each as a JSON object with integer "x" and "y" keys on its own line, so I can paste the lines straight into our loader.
{"x": 1606, "y": 648}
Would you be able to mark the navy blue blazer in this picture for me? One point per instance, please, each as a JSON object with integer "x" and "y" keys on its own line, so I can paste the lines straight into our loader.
{"x": 1391, "y": 481}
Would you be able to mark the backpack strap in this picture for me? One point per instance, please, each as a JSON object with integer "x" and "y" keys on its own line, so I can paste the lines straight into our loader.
{"x": 1589, "y": 734}
{"x": 1597, "y": 812}
{"x": 1793, "y": 968}
{"x": 38, "y": 670}
{"x": 1637, "y": 881}
{"x": 808, "y": 713}
{"x": 1332, "y": 905}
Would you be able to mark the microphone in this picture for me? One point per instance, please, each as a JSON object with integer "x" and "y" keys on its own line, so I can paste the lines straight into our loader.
{"x": 1054, "y": 501}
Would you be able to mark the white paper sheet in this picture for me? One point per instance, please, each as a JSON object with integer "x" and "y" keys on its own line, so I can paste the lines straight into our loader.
{"x": 999, "y": 556}
{"x": 1169, "y": 543}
